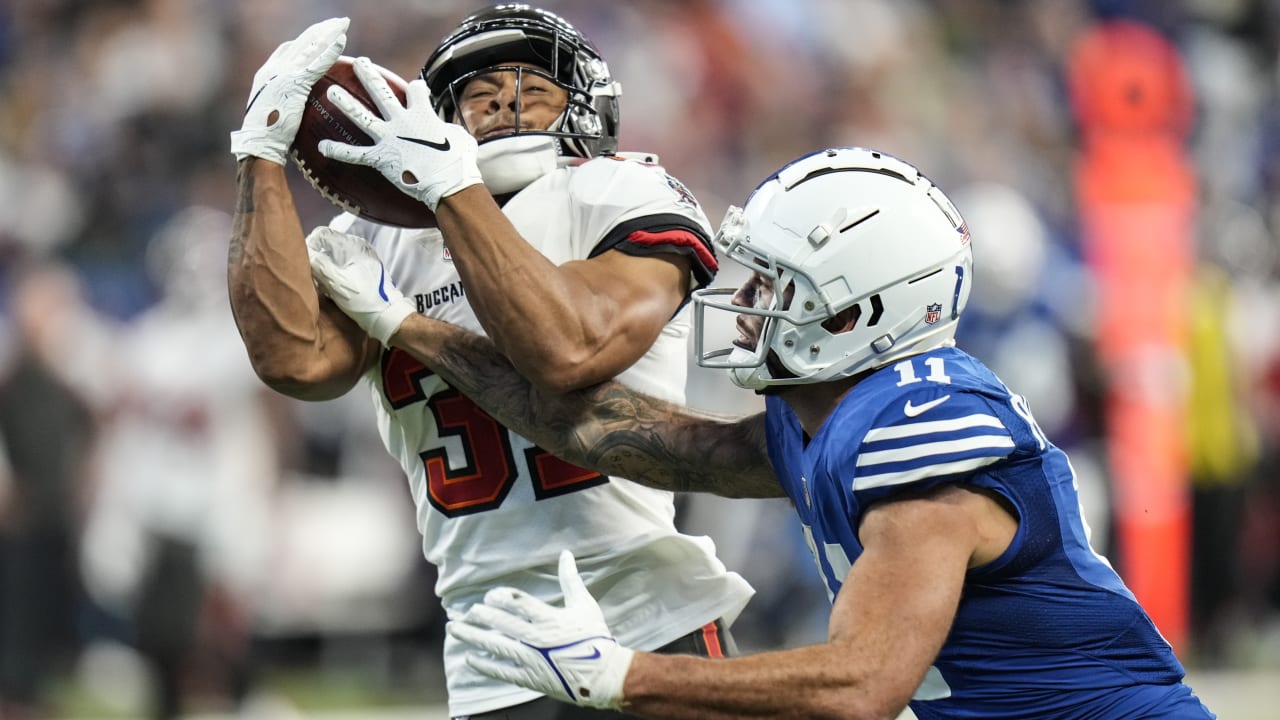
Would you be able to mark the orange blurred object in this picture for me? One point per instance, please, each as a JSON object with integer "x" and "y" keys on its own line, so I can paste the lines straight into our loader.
{"x": 1136, "y": 194}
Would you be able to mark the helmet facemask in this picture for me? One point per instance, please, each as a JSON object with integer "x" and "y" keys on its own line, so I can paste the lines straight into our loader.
{"x": 574, "y": 129}
{"x": 796, "y": 323}
{"x": 494, "y": 39}
{"x": 782, "y": 313}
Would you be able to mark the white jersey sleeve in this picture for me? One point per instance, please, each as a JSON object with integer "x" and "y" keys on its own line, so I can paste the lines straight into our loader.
{"x": 634, "y": 207}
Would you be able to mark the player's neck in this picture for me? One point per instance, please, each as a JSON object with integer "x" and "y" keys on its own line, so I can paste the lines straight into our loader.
{"x": 813, "y": 404}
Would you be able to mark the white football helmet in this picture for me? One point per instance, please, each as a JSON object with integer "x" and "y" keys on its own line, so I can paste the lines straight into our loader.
{"x": 844, "y": 227}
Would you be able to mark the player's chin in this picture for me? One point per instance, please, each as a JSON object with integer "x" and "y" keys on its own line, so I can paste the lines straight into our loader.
{"x": 496, "y": 134}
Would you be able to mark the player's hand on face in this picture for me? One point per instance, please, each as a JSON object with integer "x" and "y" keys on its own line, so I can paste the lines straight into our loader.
{"x": 349, "y": 271}
{"x": 280, "y": 89}
{"x": 567, "y": 653}
{"x": 424, "y": 156}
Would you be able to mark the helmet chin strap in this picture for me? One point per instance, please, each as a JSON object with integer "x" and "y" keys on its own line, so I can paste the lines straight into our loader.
{"x": 508, "y": 164}
{"x": 748, "y": 377}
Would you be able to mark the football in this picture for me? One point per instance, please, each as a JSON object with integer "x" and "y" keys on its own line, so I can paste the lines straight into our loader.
{"x": 355, "y": 188}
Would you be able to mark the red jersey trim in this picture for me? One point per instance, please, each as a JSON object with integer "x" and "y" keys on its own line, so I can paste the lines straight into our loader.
{"x": 678, "y": 238}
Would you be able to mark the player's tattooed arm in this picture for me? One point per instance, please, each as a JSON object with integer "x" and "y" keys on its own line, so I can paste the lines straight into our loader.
{"x": 625, "y": 433}
{"x": 607, "y": 427}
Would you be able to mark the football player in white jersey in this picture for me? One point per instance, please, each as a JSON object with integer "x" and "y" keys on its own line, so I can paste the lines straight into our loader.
{"x": 945, "y": 525}
{"x": 579, "y": 271}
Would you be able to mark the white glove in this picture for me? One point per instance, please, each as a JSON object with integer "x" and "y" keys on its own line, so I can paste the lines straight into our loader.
{"x": 350, "y": 272}
{"x": 281, "y": 87}
{"x": 566, "y": 653}
{"x": 424, "y": 156}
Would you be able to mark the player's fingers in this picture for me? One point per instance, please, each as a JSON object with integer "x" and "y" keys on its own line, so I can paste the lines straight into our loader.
{"x": 323, "y": 272}
{"x": 417, "y": 94}
{"x": 279, "y": 52}
{"x": 497, "y": 668}
{"x": 575, "y": 590}
{"x": 510, "y": 623}
{"x": 360, "y": 247}
{"x": 488, "y": 640}
{"x": 335, "y": 26}
{"x": 320, "y": 261}
{"x": 318, "y": 239}
{"x": 378, "y": 88}
{"x": 322, "y": 266}
{"x": 327, "y": 56}
{"x": 342, "y": 152}
{"x": 339, "y": 245}
{"x": 322, "y": 34}
{"x": 360, "y": 115}
{"x": 320, "y": 244}
{"x": 519, "y": 603}
{"x": 466, "y": 631}
{"x": 328, "y": 252}
{"x": 332, "y": 280}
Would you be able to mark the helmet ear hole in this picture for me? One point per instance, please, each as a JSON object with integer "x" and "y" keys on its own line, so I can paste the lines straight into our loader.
{"x": 843, "y": 321}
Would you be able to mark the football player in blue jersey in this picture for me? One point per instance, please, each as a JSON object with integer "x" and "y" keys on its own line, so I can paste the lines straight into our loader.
{"x": 946, "y": 526}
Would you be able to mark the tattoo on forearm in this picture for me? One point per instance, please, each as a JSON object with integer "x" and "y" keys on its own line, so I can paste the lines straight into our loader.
{"x": 611, "y": 428}
{"x": 244, "y": 206}
{"x": 666, "y": 446}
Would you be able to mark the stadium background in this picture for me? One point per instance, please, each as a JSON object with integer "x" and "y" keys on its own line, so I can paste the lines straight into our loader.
{"x": 115, "y": 186}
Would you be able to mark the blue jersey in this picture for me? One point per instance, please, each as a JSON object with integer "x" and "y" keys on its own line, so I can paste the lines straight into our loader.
{"x": 1047, "y": 630}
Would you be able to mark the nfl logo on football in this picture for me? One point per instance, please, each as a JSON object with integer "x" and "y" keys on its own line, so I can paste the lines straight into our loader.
{"x": 932, "y": 313}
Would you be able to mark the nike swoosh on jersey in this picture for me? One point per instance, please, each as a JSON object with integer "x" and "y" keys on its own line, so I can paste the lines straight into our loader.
{"x": 433, "y": 145}
{"x": 913, "y": 410}
{"x": 382, "y": 284}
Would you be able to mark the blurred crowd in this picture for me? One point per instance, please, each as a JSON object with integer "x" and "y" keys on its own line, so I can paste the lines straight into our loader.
{"x": 165, "y": 517}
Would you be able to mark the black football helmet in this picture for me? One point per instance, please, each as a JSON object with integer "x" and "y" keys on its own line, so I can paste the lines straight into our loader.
{"x": 515, "y": 32}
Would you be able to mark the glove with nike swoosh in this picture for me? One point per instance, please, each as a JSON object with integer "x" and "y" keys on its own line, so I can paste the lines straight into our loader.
{"x": 349, "y": 271}
{"x": 566, "y": 653}
{"x": 424, "y": 156}
{"x": 280, "y": 90}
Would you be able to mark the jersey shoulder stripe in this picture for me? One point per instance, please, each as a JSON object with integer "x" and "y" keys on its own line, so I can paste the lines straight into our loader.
{"x": 679, "y": 239}
{"x": 640, "y": 210}
{"x": 665, "y": 233}
{"x": 953, "y": 437}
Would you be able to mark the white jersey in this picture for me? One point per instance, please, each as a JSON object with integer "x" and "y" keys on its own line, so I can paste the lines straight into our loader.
{"x": 189, "y": 454}
{"x": 493, "y": 508}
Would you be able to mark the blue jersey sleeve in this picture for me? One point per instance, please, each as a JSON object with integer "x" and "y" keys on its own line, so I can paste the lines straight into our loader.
{"x": 927, "y": 437}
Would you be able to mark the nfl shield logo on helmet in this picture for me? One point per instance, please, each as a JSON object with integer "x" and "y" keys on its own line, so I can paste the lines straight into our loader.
{"x": 932, "y": 312}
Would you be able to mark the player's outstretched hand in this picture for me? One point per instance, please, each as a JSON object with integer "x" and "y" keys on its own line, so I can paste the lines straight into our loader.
{"x": 567, "y": 653}
{"x": 280, "y": 90}
{"x": 350, "y": 272}
{"x": 418, "y": 152}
